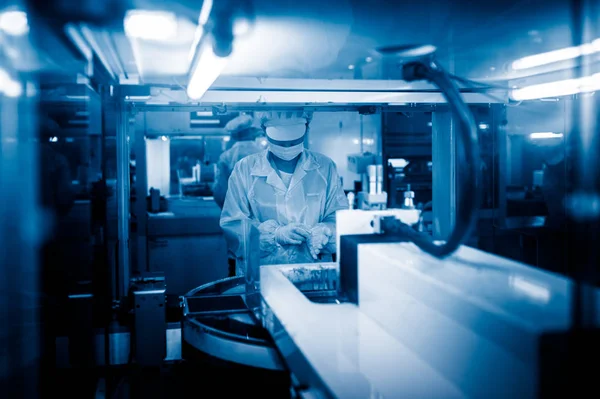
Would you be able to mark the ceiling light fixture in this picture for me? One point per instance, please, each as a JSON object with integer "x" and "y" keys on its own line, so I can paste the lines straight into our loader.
{"x": 150, "y": 25}
{"x": 205, "y": 11}
{"x": 545, "y": 136}
{"x": 550, "y": 57}
{"x": 557, "y": 89}
{"x": 14, "y": 23}
{"x": 207, "y": 70}
{"x": 9, "y": 86}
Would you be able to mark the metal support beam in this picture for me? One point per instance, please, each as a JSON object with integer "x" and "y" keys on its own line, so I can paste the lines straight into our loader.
{"x": 289, "y": 97}
{"x": 506, "y": 167}
{"x": 445, "y": 182}
{"x": 141, "y": 187}
{"x": 261, "y": 107}
{"x": 122, "y": 121}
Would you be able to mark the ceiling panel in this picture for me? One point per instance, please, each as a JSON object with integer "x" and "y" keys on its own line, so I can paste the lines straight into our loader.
{"x": 337, "y": 39}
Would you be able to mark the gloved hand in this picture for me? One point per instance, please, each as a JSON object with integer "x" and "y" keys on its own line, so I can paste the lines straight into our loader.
{"x": 319, "y": 237}
{"x": 292, "y": 234}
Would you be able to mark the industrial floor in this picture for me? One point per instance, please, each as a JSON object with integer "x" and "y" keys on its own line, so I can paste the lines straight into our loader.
{"x": 173, "y": 380}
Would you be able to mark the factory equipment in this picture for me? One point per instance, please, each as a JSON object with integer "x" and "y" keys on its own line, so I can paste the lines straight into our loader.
{"x": 409, "y": 199}
{"x": 149, "y": 343}
{"x": 371, "y": 195}
{"x": 412, "y": 325}
{"x": 201, "y": 182}
{"x": 393, "y": 317}
{"x": 220, "y": 328}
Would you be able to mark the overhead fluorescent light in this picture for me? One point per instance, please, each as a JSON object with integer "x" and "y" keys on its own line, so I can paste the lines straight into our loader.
{"x": 545, "y": 135}
{"x": 551, "y": 57}
{"x": 150, "y": 25}
{"x": 79, "y": 122}
{"x": 78, "y": 98}
{"x": 14, "y": 23}
{"x": 78, "y": 41}
{"x": 483, "y": 126}
{"x": 557, "y": 89}
{"x": 82, "y": 113}
{"x": 202, "y": 20}
{"x": 137, "y": 98}
{"x": 205, "y": 122}
{"x": 13, "y": 89}
{"x": 9, "y": 86}
{"x": 89, "y": 36}
{"x": 204, "y": 113}
{"x": 207, "y": 70}
{"x": 398, "y": 162}
{"x": 207, "y": 6}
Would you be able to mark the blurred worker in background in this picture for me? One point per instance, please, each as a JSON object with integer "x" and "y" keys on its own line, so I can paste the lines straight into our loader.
{"x": 552, "y": 245}
{"x": 241, "y": 144}
{"x": 289, "y": 193}
{"x": 554, "y": 185}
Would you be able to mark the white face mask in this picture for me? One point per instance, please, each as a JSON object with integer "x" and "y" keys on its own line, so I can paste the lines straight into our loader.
{"x": 286, "y": 153}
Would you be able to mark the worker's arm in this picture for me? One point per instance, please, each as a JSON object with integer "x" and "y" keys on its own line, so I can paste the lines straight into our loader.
{"x": 336, "y": 200}
{"x": 220, "y": 186}
{"x": 237, "y": 217}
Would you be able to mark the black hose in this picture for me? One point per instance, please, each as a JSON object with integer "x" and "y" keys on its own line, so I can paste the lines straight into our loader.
{"x": 468, "y": 198}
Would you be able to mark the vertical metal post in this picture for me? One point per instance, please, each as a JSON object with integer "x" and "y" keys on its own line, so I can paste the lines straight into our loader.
{"x": 444, "y": 173}
{"x": 122, "y": 120}
{"x": 582, "y": 199}
{"x": 141, "y": 188}
{"x": 505, "y": 166}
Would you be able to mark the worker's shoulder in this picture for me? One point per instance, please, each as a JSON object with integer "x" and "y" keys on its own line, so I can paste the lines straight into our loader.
{"x": 225, "y": 155}
{"x": 321, "y": 159}
{"x": 249, "y": 161}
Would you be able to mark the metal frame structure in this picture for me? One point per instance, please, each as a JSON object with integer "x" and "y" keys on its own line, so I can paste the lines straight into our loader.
{"x": 123, "y": 198}
{"x": 231, "y": 94}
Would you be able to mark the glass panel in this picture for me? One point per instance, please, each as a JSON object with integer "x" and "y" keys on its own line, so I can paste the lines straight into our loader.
{"x": 529, "y": 224}
{"x": 183, "y": 166}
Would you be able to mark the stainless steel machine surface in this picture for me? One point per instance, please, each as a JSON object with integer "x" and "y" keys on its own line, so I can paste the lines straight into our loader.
{"x": 470, "y": 325}
{"x": 218, "y": 322}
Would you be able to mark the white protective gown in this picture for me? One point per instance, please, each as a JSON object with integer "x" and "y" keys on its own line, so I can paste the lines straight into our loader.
{"x": 257, "y": 195}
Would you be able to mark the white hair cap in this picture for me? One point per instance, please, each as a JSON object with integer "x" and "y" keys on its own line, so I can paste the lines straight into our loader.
{"x": 284, "y": 118}
{"x": 288, "y": 132}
